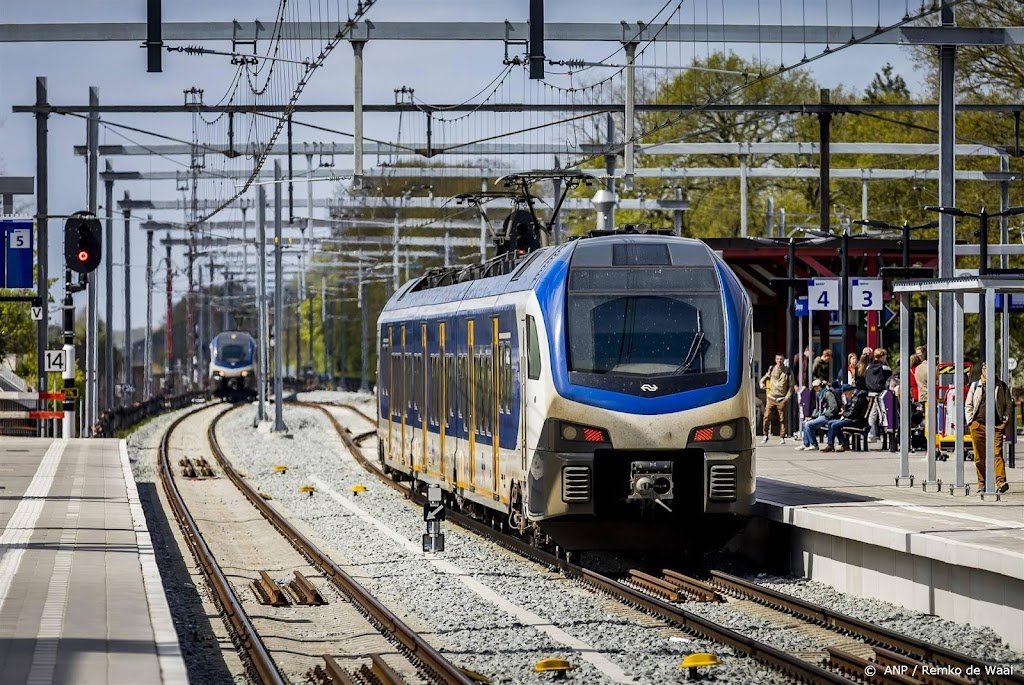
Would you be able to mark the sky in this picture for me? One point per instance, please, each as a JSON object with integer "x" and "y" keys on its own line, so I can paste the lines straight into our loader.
{"x": 440, "y": 72}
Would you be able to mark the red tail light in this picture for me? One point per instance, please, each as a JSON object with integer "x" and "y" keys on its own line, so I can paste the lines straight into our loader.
{"x": 704, "y": 434}
{"x": 593, "y": 435}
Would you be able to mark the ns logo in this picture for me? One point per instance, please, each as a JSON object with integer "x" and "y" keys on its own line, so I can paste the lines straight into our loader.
{"x": 648, "y": 387}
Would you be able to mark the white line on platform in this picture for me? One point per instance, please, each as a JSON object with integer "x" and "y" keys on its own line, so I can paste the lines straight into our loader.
{"x": 21, "y": 526}
{"x": 587, "y": 652}
{"x": 168, "y": 651}
{"x": 1000, "y": 523}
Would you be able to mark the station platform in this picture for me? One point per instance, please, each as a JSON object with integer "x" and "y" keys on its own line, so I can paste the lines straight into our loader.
{"x": 81, "y": 599}
{"x": 849, "y": 526}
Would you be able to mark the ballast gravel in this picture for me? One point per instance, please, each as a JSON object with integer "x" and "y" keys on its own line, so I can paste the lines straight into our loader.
{"x": 980, "y": 642}
{"x": 472, "y": 631}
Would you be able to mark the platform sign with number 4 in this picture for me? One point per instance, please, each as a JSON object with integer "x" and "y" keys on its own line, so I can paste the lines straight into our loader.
{"x": 823, "y": 294}
{"x": 866, "y": 294}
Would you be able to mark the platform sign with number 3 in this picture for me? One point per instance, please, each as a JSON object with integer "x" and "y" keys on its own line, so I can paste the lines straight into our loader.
{"x": 866, "y": 294}
{"x": 823, "y": 295}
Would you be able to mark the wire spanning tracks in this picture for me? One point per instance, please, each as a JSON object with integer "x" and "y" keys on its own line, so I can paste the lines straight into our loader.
{"x": 889, "y": 646}
{"x": 427, "y": 662}
{"x": 794, "y": 667}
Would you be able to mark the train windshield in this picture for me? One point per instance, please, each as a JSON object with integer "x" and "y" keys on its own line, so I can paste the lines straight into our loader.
{"x": 648, "y": 321}
{"x": 232, "y": 353}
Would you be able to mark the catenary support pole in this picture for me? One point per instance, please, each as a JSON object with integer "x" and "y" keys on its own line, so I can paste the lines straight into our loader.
{"x": 844, "y": 294}
{"x": 947, "y": 191}
{"x": 988, "y": 302}
{"x": 931, "y": 418}
{"x": 126, "y": 395}
{"x": 629, "y": 123}
{"x": 279, "y": 426}
{"x": 958, "y": 487}
{"x": 357, "y": 114}
{"x": 91, "y": 313}
{"x": 483, "y": 225}
{"x": 744, "y": 201}
{"x": 108, "y": 318}
{"x": 147, "y": 348}
{"x": 263, "y": 325}
{"x": 904, "y": 478}
{"x": 169, "y": 374}
{"x": 325, "y": 334}
{"x": 361, "y": 300}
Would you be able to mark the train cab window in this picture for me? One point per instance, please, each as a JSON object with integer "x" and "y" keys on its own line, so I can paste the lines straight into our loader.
{"x": 532, "y": 349}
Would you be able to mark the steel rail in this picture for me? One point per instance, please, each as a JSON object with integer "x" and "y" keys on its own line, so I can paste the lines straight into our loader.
{"x": 260, "y": 662}
{"x": 871, "y": 634}
{"x": 415, "y": 646}
{"x": 788, "y": 664}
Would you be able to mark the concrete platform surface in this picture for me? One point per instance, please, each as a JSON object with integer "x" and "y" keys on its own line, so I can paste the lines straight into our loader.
{"x": 80, "y": 595}
{"x": 850, "y": 526}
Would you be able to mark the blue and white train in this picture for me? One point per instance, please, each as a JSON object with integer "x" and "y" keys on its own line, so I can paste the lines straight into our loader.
{"x": 233, "y": 366}
{"x": 597, "y": 394}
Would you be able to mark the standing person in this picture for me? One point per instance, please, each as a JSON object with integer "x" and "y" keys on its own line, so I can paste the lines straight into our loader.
{"x": 826, "y": 408}
{"x": 778, "y": 384}
{"x": 915, "y": 361}
{"x": 860, "y": 377}
{"x": 921, "y": 375}
{"x": 876, "y": 378}
{"x": 854, "y": 412}
{"x": 851, "y": 368}
{"x": 974, "y": 408}
{"x": 822, "y": 367}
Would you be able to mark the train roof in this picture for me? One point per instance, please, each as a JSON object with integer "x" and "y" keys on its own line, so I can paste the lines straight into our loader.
{"x": 496, "y": 278}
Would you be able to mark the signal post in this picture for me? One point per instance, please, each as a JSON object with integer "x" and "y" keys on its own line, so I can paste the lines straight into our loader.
{"x": 82, "y": 254}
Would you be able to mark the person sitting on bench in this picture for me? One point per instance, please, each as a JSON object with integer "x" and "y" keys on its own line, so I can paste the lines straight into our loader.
{"x": 854, "y": 414}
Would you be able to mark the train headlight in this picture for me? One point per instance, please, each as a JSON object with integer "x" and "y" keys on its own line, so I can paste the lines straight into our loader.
{"x": 244, "y": 374}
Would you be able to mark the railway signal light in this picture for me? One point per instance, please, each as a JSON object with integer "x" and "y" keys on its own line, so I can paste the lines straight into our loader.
{"x": 83, "y": 245}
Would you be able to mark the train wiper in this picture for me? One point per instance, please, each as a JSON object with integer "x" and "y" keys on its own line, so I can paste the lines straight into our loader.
{"x": 695, "y": 345}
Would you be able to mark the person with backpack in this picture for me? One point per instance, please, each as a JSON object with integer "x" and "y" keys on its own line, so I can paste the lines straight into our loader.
{"x": 854, "y": 413}
{"x": 826, "y": 408}
{"x": 778, "y": 384}
{"x": 978, "y": 423}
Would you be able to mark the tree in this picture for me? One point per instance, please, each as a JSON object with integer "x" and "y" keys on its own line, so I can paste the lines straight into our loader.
{"x": 887, "y": 87}
{"x": 17, "y": 330}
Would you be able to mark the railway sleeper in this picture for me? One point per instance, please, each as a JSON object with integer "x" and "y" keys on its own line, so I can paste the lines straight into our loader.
{"x": 925, "y": 673}
{"x": 267, "y": 591}
{"x": 304, "y": 591}
{"x": 701, "y": 591}
{"x": 654, "y": 585}
{"x": 377, "y": 673}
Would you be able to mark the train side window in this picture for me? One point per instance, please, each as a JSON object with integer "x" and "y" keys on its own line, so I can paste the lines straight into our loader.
{"x": 532, "y": 350}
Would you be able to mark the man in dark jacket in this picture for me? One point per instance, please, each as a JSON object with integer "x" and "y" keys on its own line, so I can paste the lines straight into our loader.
{"x": 826, "y": 408}
{"x": 854, "y": 413}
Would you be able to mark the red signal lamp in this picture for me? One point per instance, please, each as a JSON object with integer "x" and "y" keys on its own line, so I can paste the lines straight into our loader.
{"x": 83, "y": 256}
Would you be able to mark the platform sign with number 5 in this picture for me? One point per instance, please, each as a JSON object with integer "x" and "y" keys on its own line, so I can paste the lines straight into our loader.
{"x": 866, "y": 294}
{"x": 823, "y": 294}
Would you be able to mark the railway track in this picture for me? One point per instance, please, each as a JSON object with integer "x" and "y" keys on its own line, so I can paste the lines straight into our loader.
{"x": 427, "y": 665}
{"x": 857, "y": 651}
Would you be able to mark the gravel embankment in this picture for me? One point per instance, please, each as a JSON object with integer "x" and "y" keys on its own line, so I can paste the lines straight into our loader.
{"x": 548, "y": 612}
